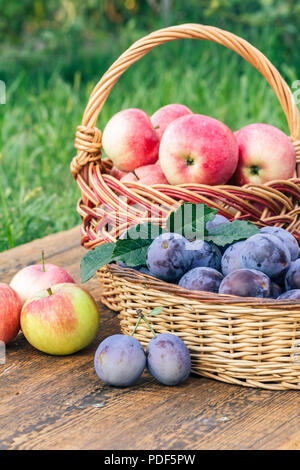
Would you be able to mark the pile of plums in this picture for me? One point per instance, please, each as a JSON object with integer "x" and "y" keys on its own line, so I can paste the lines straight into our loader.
{"x": 264, "y": 265}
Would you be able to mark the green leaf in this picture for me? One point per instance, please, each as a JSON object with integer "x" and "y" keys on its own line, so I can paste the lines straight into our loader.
{"x": 156, "y": 311}
{"x": 146, "y": 231}
{"x": 95, "y": 259}
{"x": 131, "y": 252}
{"x": 224, "y": 234}
{"x": 190, "y": 220}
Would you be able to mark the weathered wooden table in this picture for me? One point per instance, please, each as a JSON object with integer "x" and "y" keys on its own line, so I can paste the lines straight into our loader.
{"x": 59, "y": 403}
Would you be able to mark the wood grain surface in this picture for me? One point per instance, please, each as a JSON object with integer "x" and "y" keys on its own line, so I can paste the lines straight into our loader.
{"x": 59, "y": 403}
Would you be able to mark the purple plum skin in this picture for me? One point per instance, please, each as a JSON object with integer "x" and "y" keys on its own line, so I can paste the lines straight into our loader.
{"x": 293, "y": 294}
{"x": 286, "y": 237}
{"x": 276, "y": 290}
{"x": 265, "y": 253}
{"x": 246, "y": 283}
{"x": 144, "y": 270}
{"x": 231, "y": 258}
{"x": 169, "y": 257}
{"x": 206, "y": 255}
{"x": 202, "y": 279}
{"x": 120, "y": 360}
{"x": 292, "y": 277}
{"x": 168, "y": 359}
{"x": 217, "y": 220}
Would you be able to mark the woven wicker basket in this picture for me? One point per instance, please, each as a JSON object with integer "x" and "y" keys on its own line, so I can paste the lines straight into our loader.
{"x": 246, "y": 341}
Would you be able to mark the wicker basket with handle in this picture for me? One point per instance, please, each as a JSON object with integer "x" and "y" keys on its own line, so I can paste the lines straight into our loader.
{"x": 246, "y": 341}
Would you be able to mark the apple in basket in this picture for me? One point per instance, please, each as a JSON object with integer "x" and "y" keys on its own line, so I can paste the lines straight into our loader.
{"x": 265, "y": 154}
{"x": 167, "y": 114}
{"x": 198, "y": 149}
{"x": 60, "y": 320}
{"x": 147, "y": 175}
{"x": 10, "y": 310}
{"x": 118, "y": 174}
{"x": 130, "y": 140}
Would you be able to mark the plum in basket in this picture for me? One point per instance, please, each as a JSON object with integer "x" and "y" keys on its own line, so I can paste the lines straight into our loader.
{"x": 203, "y": 279}
{"x": 286, "y": 237}
{"x": 265, "y": 253}
{"x": 292, "y": 278}
{"x": 205, "y": 255}
{"x": 293, "y": 294}
{"x": 231, "y": 258}
{"x": 169, "y": 257}
{"x": 217, "y": 220}
{"x": 276, "y": 290}
{"x": 246, "y": 283}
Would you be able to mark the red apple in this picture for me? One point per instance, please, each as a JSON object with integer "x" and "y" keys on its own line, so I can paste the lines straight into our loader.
{"x": 198, "y": 149}
{"x": 165, "y": 115}
{"x": 36, "y": 277}
{"x": 130, "y": 140}
{"x": 62, "y": 322}
{"x": 265, "y": 154}
{"x": 118, "y": 174}
{"x": 147, "y": 175}
{"x": 10, "y": 310}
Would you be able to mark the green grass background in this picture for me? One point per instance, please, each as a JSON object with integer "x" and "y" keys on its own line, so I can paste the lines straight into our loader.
{"x": 50, "y": 67}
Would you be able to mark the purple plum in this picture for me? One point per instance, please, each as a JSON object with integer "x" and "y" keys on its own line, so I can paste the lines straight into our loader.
{"x": 246, "y": 283}
{"x": 169, "y": 257}
{"x": 286, "y": 237}
{"x": 168, "y": 359}
{"x": 203, "y": 279}
{"x": 265, "y": 253}
{"x": 120, "y": 360}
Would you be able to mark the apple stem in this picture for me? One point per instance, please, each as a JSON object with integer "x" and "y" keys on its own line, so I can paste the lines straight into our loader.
{"x": 43, "y": 261}
{"x": 49, "y": 290}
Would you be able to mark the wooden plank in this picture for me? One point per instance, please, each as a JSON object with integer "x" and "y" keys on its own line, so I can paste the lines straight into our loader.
{"x": 59, "y": 403}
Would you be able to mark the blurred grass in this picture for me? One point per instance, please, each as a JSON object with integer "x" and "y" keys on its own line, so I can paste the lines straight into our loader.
{"x": 44, "y": 105}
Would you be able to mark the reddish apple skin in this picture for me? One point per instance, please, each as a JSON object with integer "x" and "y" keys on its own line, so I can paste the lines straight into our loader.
{"x": 32, "y": 279}
{"x": 266, "y": 150}
{"x": 10, "y": 310}
{"x": 62, "y": 323}
{"x": 198, "y": 149}
{"x": 147, "y": 175}
{"x": 118, "y": 174}
{"x": 130, "y": 140}
{"x": 165, "y": 115}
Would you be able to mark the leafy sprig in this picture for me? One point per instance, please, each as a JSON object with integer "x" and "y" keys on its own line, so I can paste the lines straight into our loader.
{"x": 189, "y": 220}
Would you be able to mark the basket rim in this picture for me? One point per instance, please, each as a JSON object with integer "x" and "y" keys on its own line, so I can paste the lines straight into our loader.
{"x": 133, "y": 276}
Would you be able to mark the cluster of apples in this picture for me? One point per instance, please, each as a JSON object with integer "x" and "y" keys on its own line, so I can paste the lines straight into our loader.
{"x": 176, "y": 146}
{"x": 56, "y": 315}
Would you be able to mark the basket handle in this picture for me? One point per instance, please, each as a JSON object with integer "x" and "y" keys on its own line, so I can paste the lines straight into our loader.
{"x": 88, "y": 137}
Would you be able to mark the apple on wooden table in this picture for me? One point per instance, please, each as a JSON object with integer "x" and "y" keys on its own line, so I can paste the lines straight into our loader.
{"x": 61, "y": 320}
{"x": 36, "y": 277}
{"x": 10, "y": 310}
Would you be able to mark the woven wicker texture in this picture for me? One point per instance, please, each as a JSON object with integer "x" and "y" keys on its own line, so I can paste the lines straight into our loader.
{"x": 242, "y": 341}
